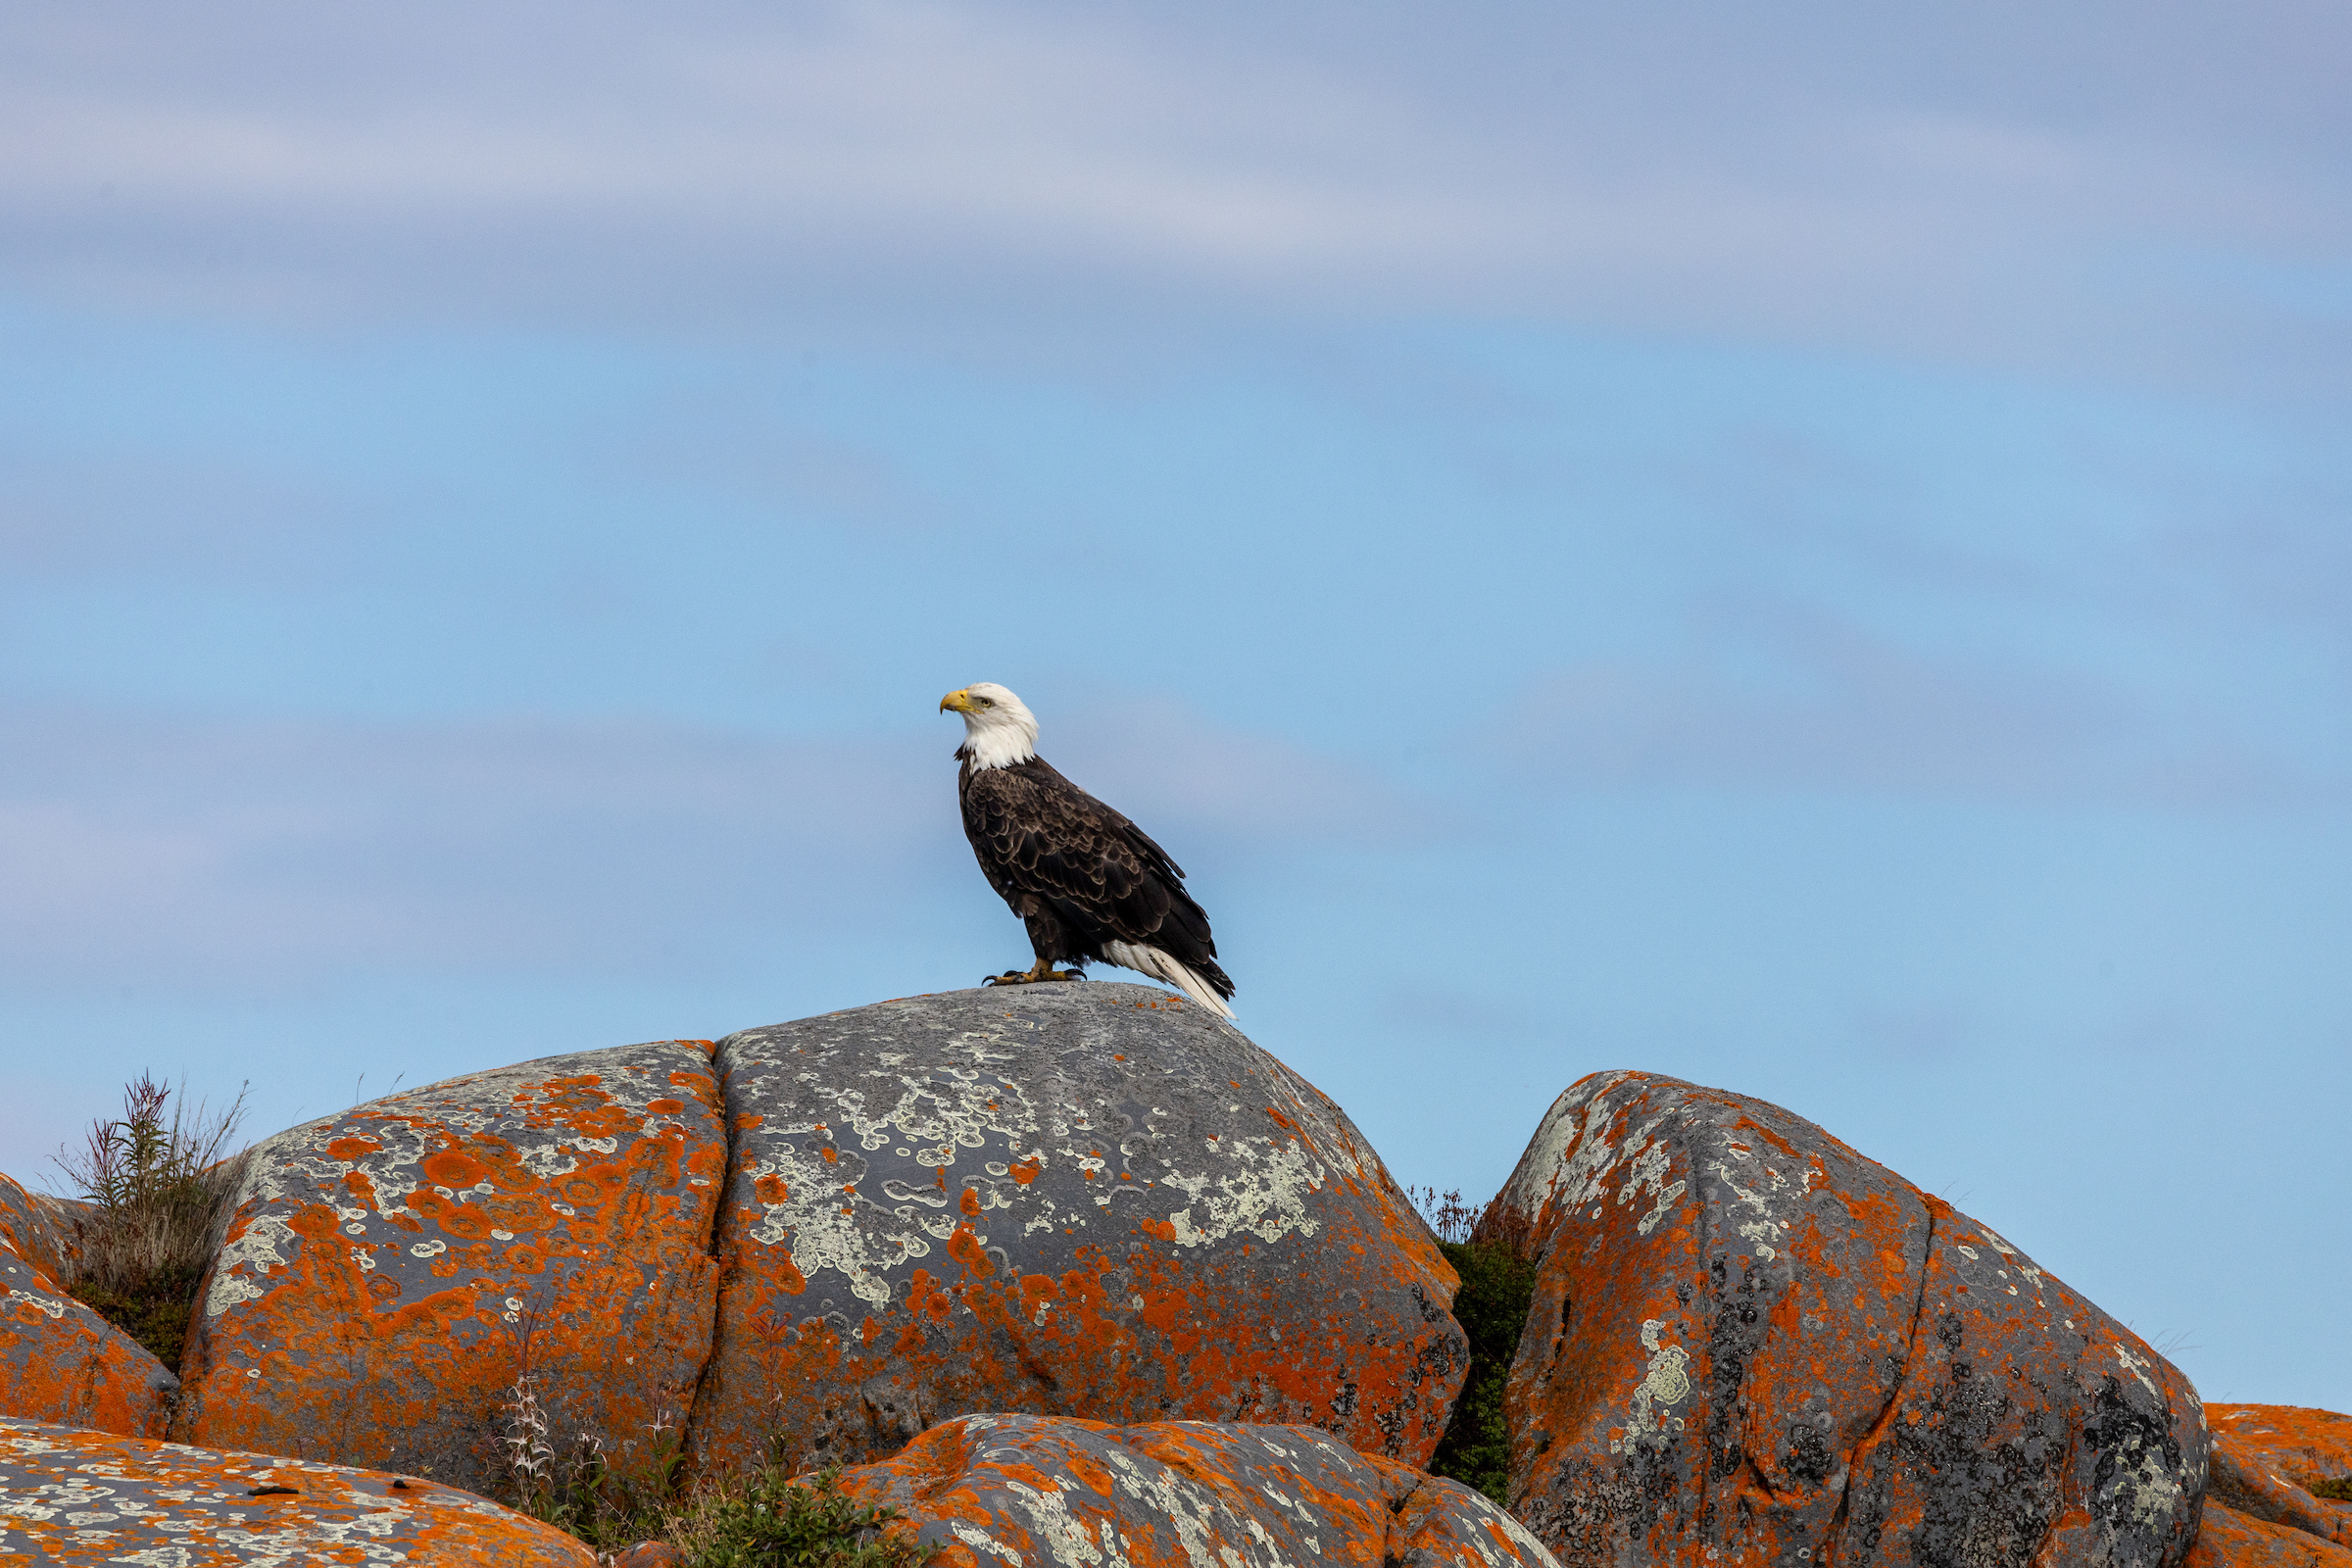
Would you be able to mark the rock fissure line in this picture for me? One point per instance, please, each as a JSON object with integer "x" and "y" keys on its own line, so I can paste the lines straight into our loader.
{"x": 1834, "y": 1537}
{"x": 1704, "y": 1252}
{"x": 2049, "y": 1542}
{"x": 719, "y": 1221}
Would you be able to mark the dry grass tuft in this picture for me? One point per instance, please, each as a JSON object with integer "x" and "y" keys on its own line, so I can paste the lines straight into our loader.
{"x": 154, "y": 1184}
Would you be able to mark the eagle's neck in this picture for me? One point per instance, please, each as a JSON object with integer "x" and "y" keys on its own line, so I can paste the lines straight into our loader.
{"x": 999, "y": 745}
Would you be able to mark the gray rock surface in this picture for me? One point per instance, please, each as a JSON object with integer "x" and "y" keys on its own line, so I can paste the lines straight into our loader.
{"x": 1090, "y": 1200}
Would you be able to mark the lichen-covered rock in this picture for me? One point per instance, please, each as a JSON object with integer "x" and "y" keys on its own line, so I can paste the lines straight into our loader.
{"x": 69, "y": 1496}
{"x": 1088, "y": 1200}
{"x": 1749, "y": 1344}
{"x": 2300, "y": 1445}
{"x": 390, "y": 1273}
{"x": 59, "y": 1361}
{"x": 2228, "y": 1539}
{"x": 2267, "y": 1459}
{"x": 1040, "y": 1492}
{"x": 650, "y": 1554}
{"x": 39, "y": 1228}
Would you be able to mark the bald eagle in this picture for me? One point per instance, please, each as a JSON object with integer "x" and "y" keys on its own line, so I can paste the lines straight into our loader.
{"x": 1090, "y": 886}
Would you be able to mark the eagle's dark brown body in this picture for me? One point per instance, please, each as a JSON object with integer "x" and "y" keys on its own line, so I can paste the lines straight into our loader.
{"x": 1081, "y": 876}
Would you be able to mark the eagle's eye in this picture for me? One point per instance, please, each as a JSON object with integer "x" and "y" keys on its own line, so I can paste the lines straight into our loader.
{"x": 984, "y": 701}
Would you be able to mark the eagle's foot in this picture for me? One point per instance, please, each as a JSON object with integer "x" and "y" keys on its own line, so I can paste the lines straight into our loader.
{"x": 1043, "y": 971}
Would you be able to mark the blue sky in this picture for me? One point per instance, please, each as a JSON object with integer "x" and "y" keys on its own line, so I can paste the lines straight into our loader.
{"x": 1809, "y": 552}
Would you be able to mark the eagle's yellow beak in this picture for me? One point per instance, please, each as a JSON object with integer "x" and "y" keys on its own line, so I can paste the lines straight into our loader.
{"x": 956, "y": 700}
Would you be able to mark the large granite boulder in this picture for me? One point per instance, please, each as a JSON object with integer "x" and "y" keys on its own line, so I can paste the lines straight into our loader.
{"x": 1088, "y": 1200}
{"x": 59, "y": 1361}
{"x": 1750, "y": 1345}
{"x": 2262, "y": 1503}
{"x": 70, "y": 1496}
{"x": 1015, "y": 1491}
{"x": 390, "y": 1275}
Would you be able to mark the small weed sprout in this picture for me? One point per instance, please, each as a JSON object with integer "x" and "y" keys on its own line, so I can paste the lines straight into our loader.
{"x": 1452, "y": 1219}
{"x": 155, "y": 1182}
{"x": 530, "y": 1460}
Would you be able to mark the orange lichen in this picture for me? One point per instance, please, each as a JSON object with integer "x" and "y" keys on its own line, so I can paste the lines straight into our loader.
{"x": 2228, "y": 1539}
{"x": 568, "y": 1240}
{"x": 60, "y": 1360}
{"x": 83, "y": 1496}
{"x": 1174, "y": 1495}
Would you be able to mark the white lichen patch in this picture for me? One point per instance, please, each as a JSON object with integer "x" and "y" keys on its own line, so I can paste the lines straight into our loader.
{"x": 52, "y": 1307}
{"x": 979, "y": 1539}
{"x": 1046, "y": 1510}
{"x": 1665, "y": 1384}
{"x": 1200, "y": 1523}
{"x": 1227, "y": 1498}
{"x": 1262, "y": 1194}
{"x": 2145, "y": 1494}
{"x": 250, "y": 1255}
{"x": 1571, "y": 1151}
{"x": 2138, "y": 1366}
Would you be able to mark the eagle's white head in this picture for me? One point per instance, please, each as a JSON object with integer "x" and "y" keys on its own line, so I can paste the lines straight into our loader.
{"x": 998, "y": 729}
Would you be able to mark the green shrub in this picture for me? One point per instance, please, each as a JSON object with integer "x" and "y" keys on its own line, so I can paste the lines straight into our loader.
{"x": 1488, "y": 1250}
{"x": 1497, "y": 1284}
{"x": 2339, "y": 1490}
{"x": 154, "y": 1183}
{"x": 769, "y": 1519}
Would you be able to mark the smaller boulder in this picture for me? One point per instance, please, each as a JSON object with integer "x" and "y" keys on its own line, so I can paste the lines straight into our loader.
{"x": 59, "y": 1361}
{"x": 2228, "y": 1539}
{"x": 2269, "y": 1460}
{"x": 80, "y": 1496}
{"x": 1008, "y": 1491}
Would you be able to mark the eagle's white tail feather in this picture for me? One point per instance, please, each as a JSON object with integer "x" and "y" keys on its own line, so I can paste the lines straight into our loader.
{"x": 1170, "y": 970}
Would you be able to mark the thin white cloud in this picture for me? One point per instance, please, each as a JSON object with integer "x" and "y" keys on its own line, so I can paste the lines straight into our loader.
{"x": 728, "y": 161}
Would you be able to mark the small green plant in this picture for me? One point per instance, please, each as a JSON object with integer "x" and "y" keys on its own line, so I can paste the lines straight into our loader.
{"x": 772, "y": 1519}
{"x": 1499, "y": 1283}
{"x": 2337, "y": 1490}
{"x": 154, "y": 1182}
